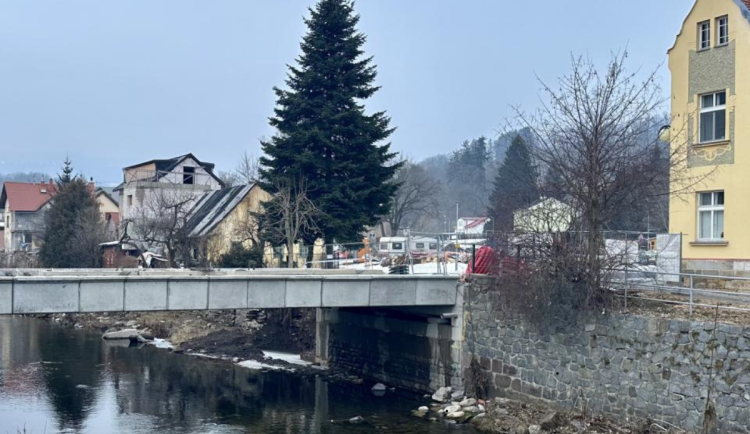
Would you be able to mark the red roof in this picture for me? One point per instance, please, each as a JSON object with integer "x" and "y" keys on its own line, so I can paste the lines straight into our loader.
{"x": 24, "y": 196}
{"x": 480, "y": 220}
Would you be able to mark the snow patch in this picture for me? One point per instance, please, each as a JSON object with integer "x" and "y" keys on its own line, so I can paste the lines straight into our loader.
{"x": 161, "y": 343}
{"x": 256, "y": 365}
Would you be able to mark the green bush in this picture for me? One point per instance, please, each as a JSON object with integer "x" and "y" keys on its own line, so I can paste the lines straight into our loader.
{"x": 239, "y": 256}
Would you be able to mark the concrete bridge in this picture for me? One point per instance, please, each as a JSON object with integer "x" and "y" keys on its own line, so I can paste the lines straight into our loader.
{"x": 405, "y": 330}
{"x": 82, "y": 291}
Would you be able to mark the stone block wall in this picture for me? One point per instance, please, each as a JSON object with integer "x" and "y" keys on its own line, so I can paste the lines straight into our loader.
{"x": 616, "y": 365}
{"x": 413, "y": 353}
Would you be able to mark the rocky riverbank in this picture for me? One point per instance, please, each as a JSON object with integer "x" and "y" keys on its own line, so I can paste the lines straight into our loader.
{"x": 501, "y": 415}
{"x": 232, "y": 334}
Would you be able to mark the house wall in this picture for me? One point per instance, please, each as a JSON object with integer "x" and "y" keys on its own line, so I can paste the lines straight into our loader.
{"x": 106, "y": 204}
{"x": 144, "y": 192}
{"x": 230, "y": 229}
{"x": 23, "y": 223}
{"x": 548, "y": 216}
{"x": 8, "y": 219}
{"x": 724, "y": 164}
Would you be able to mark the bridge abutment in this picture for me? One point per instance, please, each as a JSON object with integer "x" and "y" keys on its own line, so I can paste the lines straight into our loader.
{"x": 417, "y": 348}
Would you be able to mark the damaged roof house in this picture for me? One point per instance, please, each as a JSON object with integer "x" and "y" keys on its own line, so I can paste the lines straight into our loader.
{"x": 144, "y": 184}
{"x": 214, "y": 217}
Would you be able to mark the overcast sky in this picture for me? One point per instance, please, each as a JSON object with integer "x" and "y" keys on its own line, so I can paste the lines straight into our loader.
{"x": 113, "y": 83}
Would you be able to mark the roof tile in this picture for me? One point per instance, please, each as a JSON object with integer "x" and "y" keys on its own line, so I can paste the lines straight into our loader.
{"x": 24, "y": 196}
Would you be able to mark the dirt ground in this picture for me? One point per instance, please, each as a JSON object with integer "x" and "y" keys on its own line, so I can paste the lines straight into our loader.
{"x": 237, "y": 333}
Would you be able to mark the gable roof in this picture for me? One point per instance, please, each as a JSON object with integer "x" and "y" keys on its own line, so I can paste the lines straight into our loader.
{"x": 169, "y": 164}
{"x": 744, "y": 6}
{"x": 109, "y": 192}
{"x": 213, "y": 207}
{"x": 476, "y": 222}
{"x": 26, "y": 196}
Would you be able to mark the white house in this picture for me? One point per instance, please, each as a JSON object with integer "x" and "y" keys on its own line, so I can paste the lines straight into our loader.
{"x": 472, "y": 225}
{"x": 546, "y": 215}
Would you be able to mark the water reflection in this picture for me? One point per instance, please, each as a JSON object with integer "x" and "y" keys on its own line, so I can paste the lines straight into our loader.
{"x": 58, "y": 380}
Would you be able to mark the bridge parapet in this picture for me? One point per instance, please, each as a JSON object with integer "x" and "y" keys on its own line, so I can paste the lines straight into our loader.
{"x": 91, "y": 291}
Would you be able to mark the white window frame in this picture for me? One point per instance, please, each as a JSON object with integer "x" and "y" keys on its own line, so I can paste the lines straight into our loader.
{"x": 713, "y": 109}
{"x": 704, "y": 35}
{"x": 722, "y": 23}
{"x": 712, "y": 210}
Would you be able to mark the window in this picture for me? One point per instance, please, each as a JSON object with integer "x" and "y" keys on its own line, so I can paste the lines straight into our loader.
{"x": 383, "y": 246}
{"x": 704, "y": 35}
{"x": 433, "y": 246}
{"x": 130, "y": 200}
{"x": 722, "y": 31}
{"x": 420, "y": 245}
{"x": 397, "y": 246}
{"x": 188, "y": 175}
{"x": 711, "y": 216}
{"x": 713, "y": 117}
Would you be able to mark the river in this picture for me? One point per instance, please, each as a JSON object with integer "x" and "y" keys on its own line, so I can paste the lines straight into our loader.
{"x": 57, "y": 380}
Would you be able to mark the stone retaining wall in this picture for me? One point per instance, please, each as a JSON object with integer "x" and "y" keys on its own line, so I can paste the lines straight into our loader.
{"x": 617, "y": 365}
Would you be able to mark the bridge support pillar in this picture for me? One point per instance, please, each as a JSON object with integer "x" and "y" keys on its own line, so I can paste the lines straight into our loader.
{"x": 323, "y": 319}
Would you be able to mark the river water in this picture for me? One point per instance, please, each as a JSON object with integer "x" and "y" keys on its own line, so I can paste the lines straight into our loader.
{"x": 54, "y": 379}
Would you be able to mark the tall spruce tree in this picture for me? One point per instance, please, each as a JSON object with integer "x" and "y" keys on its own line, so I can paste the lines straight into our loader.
{"x": 73, "y": 227}
{"x": 323, "y": 132}
{"x": 515, "y": 185}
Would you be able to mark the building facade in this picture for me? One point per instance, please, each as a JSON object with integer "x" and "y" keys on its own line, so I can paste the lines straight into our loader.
{"x": 146, "y": 185}
{"x": 710, "y": 133}
{"x": 24, "y": 205}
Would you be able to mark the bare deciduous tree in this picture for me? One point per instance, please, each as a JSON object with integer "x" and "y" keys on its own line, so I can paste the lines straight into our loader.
{"x": 245, "y": 173}
{"x": 291, "y": 214}
{"x": 161, "y": 222}
{"x": 590, "y": 132}
{"x": 417, "y": 196}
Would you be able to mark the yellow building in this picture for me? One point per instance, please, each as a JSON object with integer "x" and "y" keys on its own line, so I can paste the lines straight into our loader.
{"x": 223, "y": 217}
{"x": 710, "y": 67}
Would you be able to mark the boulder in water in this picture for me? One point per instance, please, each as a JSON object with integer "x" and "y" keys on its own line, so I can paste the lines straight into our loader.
{"x": 122, "y": 334}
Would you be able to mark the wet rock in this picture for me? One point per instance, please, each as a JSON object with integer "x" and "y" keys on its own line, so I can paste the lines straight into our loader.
{"x": 472, "y": 409}
{"x": 423, "y": 408}
{"x": 378, "y": 389}
{"x": 442, "y": 394}
{"x": 122, "y": 334}
{"x": 457, "y": 395}
{"x": 520, "y": 429}
{"x": 535, "y": 429}
{"x": 452, "y": 409}
{"x": 551, "y": 421}
{"x": 356, "y": 420}
{"x": 138, "y": 339}
{"x": 479, "y": 417}
{"x": 455, "y": 415}
{"x": 468, "y": 402}
{"x": 418, "y": 413}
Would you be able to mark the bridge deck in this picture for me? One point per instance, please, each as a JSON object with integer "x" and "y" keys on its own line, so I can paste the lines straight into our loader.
{"x": 50, "y": 292}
